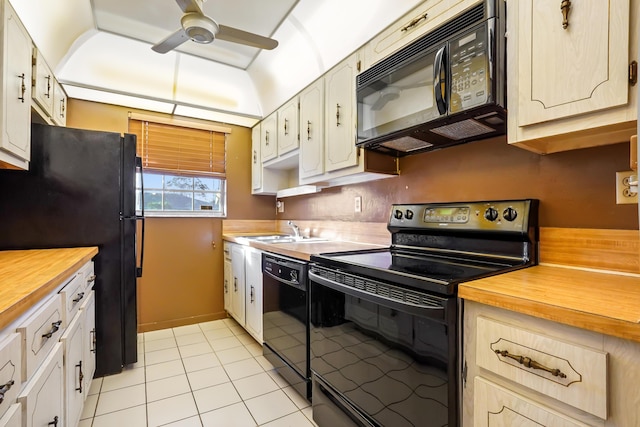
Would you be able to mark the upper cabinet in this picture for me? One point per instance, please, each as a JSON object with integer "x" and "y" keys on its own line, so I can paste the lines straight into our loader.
{"x": 15, "y": 92}
{"x": 427, "y": 16}
{"x": 42, "y": 84}
{"x": 568, "y": 73}
{"x": 312, "y": 130}
{"x": 268, "y": 137}
{"x": 256, "y": 162}
{"x": 288, "y": 138}
{"x": 59, "y": 114}
{"x": 340, "y": 114}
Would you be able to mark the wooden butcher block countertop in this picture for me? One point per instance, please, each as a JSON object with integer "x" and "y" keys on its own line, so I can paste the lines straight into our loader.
{"x": 27, "y": 276}
{"x": 603, "y": 302}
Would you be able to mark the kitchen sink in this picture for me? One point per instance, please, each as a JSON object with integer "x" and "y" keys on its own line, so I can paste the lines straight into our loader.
{"x": 283, "y": 238}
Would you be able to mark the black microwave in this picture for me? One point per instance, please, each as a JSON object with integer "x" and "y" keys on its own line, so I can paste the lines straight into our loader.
{"x": 444, "y": 89}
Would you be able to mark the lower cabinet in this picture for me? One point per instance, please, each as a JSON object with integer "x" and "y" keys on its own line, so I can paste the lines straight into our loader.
{"x": 13, "y": 417}
{"x": 253, "y": 300}
{"x": 74, "y": 391}
{"x": 42, "y": 399}
{"x": 47, "y": 357}
{"x": 497, "y": 406}
{"x": 519, "y": 370}
{"x": 243, "y": 287}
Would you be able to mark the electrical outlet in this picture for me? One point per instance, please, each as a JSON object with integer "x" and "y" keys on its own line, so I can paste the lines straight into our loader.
{"x": 357, "y": 205}
{"x": 626, "y": 193}
{"x": 280, "y": 206}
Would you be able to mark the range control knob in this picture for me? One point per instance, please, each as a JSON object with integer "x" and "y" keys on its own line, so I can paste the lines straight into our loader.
{"x": 409, "y": 214}
{"x": 294, "y": 276}
{"x": 491, "y": 214}
{"x": 510, "y": 214}
{"x": 398, "y": 214}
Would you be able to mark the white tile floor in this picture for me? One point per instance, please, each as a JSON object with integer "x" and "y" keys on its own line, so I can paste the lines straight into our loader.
{"x": 205, "y": 375}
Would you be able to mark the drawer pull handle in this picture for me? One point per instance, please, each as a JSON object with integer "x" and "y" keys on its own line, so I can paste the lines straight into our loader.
{"x": 80, "y": 377}
{"x": 78, "y": 298}
{"x": 414, "y": 22}
{"x": 54, "y": 423}
{"x": 91, "y": 278}
{"x": 5, "y": 388}
{"x": 530, "y": 363}
{"x": 55, "y": 326}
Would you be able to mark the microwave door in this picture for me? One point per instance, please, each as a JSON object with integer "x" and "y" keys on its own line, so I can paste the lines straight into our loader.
{"x": 401, "y": 97}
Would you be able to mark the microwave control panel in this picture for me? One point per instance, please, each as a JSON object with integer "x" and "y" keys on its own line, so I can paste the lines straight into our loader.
{"x": 470, "y": 75}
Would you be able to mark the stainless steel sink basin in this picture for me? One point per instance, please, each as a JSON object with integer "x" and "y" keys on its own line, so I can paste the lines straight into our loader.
{"x": 283, "y": 238}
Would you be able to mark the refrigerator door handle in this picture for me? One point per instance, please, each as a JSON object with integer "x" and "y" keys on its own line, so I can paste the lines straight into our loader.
{"x": 141, "y": 216}
{"x": 139, "y": 268}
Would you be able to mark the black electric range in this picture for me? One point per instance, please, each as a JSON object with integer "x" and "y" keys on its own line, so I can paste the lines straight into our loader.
{"x": 384, "y": 323}
{"x": 436, "y": 246}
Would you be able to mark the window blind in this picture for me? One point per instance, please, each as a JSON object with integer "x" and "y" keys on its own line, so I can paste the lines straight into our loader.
{"x": 180, "y": 150}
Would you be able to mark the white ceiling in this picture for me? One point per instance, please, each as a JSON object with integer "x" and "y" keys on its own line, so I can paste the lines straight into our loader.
{"x": 101, "y": 50}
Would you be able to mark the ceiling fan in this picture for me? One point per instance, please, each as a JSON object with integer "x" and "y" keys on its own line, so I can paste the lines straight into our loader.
{"x": 200, "y": 28}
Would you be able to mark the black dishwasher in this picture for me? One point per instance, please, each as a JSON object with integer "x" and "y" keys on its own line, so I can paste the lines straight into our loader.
{"x": 286, "y": 319}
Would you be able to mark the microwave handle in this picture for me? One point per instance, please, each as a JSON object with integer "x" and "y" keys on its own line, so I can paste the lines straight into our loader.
{"x": 438, "y": 63}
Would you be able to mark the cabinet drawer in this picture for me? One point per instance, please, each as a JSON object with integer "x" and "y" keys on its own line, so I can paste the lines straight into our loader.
{"x": 72, "y": 294}
{"x": 495, "y": 406}
{"x": 39, "y": 334}
{"x": 88, "y": 276}
{"x": 42, "y": 397}
{"x": 13, "y": 417}
{"x": 10, "y": 371}
{"x": 578, "y": 374}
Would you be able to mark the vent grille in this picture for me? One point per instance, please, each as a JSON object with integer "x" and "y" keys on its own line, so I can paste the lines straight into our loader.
{"x": 385, "y": 290}
{"x": 417, "y": 48}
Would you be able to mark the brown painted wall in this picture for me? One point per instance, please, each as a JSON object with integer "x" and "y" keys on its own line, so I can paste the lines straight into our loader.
{"x": 575, "y": 188}
{"x": 183, "y": 271}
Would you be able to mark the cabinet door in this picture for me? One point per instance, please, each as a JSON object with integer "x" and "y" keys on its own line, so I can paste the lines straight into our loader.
{"x": 253, "y": 271}
{"x": 74, "y": 391}
{"x": 15, "y": 92}
{"x": 13, "y": 417}
{"x": 43, "y": 83}
{"x": 10, "y": 370}
{"x": 59, "y": 104}
{"x": 495, "y": 406}
{"x": 256, "y": 161}
{"x": 574, "y": 70}
{"x": 228, "y": 280}
{"x": 238, "y": 284}
{"x": 340, "y": 115}
{"x": 89, "y": 343}
{"x": 288, "y": 127}
{"x": 269, "y": 137}
{"x": 312, "y": 130}
{"x": 42, "y": 397}
{"x": 428, "y": 15}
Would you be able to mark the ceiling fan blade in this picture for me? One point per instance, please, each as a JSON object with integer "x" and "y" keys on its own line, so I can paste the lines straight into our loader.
{"x": 171, "y": 42}
{"x": 235, "y": 35}
{"x": 188, "y": 6}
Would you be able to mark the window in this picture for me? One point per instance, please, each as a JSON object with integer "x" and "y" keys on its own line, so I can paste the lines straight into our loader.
{"x": 183, "y": 168}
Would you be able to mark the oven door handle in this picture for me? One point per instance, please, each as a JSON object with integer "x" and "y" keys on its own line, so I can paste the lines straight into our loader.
{"x": 437, "y": 313}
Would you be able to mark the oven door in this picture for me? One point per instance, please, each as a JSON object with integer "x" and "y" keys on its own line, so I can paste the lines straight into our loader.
{"x": 380, "y": 360}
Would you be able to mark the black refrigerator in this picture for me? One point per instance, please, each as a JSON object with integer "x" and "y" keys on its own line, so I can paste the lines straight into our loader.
{"x": 80, "y": 190}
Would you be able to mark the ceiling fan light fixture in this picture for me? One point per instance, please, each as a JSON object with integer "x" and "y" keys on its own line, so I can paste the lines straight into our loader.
{"x": 199, "y": 28}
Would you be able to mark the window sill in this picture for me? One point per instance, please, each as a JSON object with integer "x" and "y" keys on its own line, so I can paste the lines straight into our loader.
{"x": 182, "y": 214}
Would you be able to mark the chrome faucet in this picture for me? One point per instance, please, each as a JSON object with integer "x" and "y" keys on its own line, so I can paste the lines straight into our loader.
{"x": 296, "y": 230}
